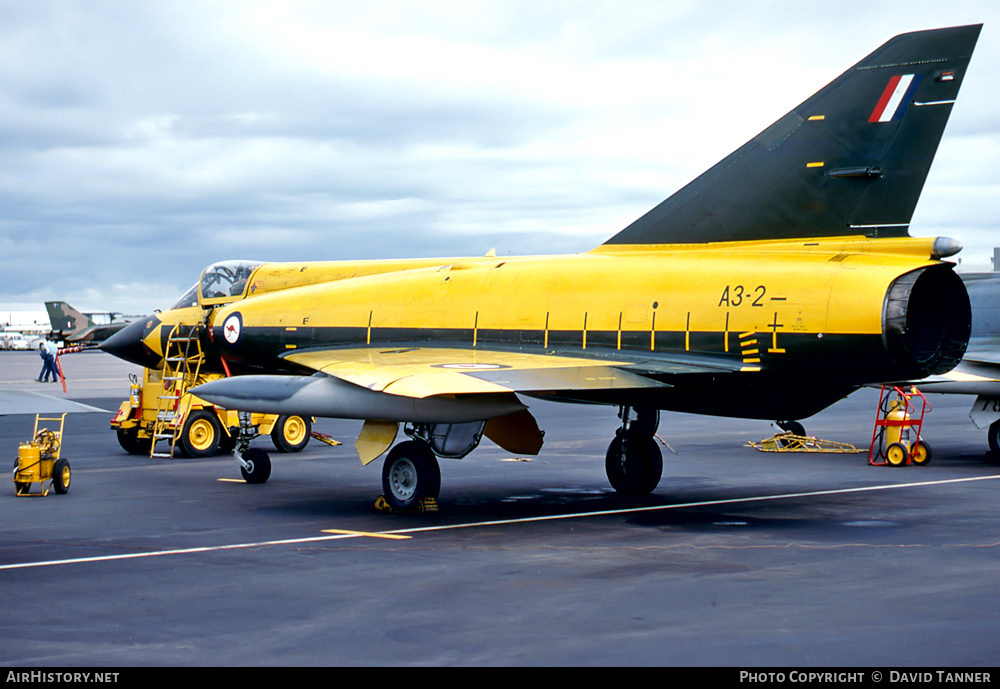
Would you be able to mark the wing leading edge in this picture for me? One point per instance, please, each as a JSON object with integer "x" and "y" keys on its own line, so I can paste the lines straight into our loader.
{"x": 443, "y": 385}
{"x": 421, "y": 372}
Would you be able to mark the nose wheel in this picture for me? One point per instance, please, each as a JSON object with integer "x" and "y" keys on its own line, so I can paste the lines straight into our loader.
{"x": 255, "y": 466}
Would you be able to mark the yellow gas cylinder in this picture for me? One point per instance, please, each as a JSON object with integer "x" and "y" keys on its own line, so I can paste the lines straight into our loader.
{"x": 28, "y": 468}
{"x": 898, "y": 431}
{"x": 134, "y": 393}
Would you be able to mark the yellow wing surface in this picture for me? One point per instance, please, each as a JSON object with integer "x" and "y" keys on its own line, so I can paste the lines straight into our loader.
{"x": 420, "y": 372}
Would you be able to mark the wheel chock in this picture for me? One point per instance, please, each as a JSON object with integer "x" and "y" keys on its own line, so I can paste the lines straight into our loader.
{"x": 325, "y": 438}
{"x": 425, "y": 505}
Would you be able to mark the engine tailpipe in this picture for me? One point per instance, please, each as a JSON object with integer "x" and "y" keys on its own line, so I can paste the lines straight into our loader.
{"x": 926, "y": 321}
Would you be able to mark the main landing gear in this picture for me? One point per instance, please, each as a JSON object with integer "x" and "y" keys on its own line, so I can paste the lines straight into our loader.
{"x": 790, "y": 428}
{"x": 993, "y": 436}
{"x": 793, "y": 427}
{"x": 411, "y": 477}
{"x": 634, "y": 462}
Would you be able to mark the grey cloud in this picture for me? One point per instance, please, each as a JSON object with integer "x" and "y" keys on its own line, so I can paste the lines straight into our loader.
{"x": 142, "y": 141}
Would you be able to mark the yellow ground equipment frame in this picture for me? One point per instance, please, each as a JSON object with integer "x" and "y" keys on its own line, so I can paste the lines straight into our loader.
{"x": 160, "y": 408}
{"x": 789, "y": 442}
{"x": 38, "y": 462}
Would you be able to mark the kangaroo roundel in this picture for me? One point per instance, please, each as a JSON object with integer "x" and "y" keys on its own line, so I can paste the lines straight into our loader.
{"x": 233, "y": 328}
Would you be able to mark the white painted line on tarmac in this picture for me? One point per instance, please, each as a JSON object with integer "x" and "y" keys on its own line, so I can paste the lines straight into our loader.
{"x": 703, "y": 503}
{"x": 334, "y": 535}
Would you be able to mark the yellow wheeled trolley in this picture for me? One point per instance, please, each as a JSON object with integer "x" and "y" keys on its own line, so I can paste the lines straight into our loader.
{"x": 38, "y": 461}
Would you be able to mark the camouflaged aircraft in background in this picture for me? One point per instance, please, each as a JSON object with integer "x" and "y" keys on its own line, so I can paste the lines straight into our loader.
{"x": 74, "y": 327}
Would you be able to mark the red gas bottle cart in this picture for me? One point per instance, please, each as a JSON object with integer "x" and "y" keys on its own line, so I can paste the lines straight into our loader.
{"x": 896, "y": 438}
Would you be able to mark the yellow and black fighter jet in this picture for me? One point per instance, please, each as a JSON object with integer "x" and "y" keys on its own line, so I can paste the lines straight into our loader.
{"x": 786, "y": 264}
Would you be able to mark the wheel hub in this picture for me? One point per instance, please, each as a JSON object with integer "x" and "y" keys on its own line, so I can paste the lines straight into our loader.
{"x": 201, "y": 435}
{"x": 403, "y": 479}
{"x": 294, "y": 430}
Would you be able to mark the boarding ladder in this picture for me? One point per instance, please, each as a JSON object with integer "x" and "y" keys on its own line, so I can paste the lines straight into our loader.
{"x": 182, "y": 362}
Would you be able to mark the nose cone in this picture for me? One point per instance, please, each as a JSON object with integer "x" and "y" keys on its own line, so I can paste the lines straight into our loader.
{"x": 129, "y": 343}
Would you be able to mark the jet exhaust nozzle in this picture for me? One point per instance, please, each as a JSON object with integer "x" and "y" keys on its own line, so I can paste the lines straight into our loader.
{"x": 927, "y": 321}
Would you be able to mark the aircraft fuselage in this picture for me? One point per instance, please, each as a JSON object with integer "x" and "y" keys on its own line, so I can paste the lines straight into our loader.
{"x": 768, "y": 315}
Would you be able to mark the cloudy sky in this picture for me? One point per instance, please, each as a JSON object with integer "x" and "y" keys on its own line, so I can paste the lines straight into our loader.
{"x": 141, "y": 141}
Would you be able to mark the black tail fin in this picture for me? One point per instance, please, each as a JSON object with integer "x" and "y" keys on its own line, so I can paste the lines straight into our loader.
{"x": 850, "y": 160}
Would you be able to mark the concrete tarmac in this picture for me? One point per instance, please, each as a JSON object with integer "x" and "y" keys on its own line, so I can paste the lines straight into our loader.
{"x": 740, "y": 558}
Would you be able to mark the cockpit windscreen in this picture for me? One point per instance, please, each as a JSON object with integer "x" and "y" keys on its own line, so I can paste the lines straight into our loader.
{"x": 226, "y": 279}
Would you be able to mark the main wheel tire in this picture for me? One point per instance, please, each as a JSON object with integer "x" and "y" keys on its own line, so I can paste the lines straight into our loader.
{"x": 646, "y": 421}
{"x": 793, "y": 427}
{"x": 633, "y": 463}
{"x": 61, "y": 475}
{"x": 896, "y": 454}
{"x": 921, "y": 453}
{"x": 259, "y": 469}
{"x": 291, "y": 433}
{"x": 130, "y": 441}
{"x": 410, "y": 474}
{"x": 993, "y": 436}
{"x": 201, "y": 434}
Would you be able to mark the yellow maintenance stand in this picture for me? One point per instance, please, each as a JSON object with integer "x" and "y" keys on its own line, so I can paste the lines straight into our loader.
{"x": 161, "y": 408}
{"x": 38, "y": 462}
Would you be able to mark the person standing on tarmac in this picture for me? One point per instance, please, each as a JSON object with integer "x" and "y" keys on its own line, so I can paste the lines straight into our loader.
{"x": 53, "y": 349}
{"x": 48, "y": 352}
{"x": 44, "y": 353}
{"x": 53, "y": 359}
